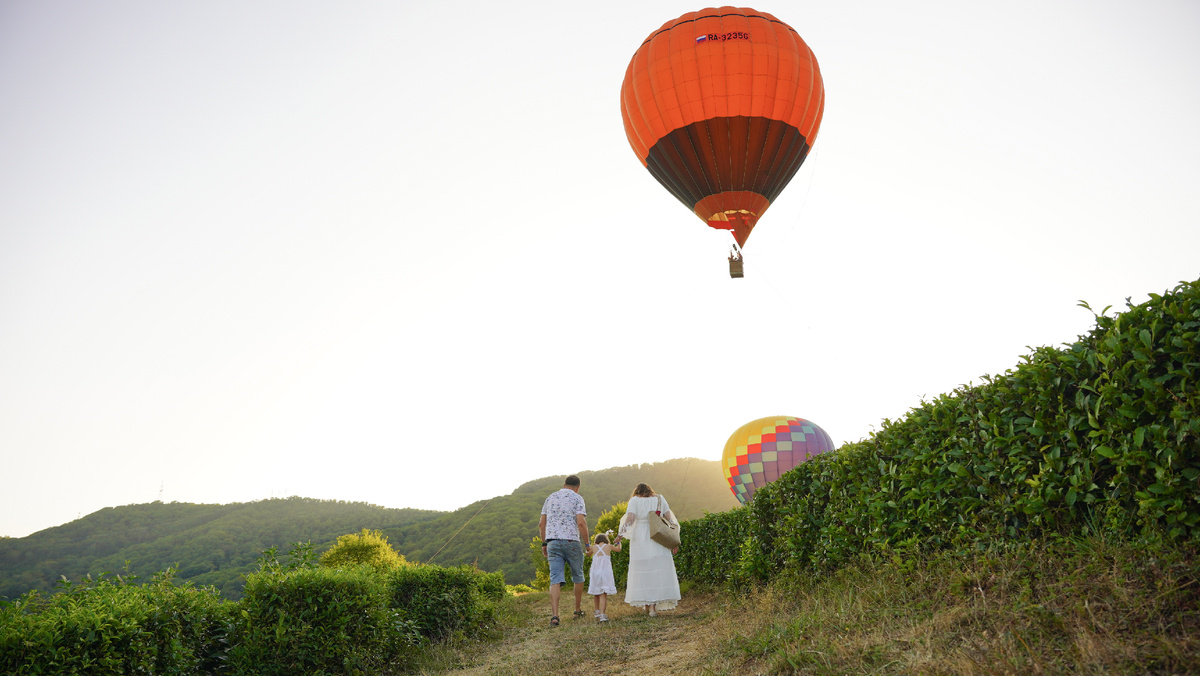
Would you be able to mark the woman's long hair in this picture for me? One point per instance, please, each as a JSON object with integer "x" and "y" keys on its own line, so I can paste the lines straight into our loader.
{"x": 643, "y": 491}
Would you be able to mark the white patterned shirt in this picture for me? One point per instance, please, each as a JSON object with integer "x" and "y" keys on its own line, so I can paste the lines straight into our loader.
{"x": 560, "y": 510}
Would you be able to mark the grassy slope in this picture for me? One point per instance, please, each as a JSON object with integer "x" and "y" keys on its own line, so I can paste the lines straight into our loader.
{"x": 1068, "y": 607}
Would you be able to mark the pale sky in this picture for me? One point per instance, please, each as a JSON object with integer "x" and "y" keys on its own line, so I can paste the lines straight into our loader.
{"x": 401, "y": 253}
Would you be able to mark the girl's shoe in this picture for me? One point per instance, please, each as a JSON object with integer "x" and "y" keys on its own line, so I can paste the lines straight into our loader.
{"x": 602, "y": 618}
{"x": 596, "y": 613}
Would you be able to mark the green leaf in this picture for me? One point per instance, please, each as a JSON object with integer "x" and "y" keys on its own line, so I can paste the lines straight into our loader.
{"x": 1139, "y": 436}
{"x": 1146, "y": 339}
{"x": 1106, "y": 451}
{"x": 1034, "y": 507}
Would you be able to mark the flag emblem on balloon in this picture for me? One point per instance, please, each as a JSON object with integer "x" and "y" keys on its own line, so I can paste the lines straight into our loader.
{"x": 760, "y": 451}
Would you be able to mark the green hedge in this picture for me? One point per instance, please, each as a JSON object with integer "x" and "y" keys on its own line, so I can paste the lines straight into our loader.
{"x": 290, "y": 620}
{"x": 316, "y": 621}
{"x": 439, "y": 602}
{"x": 709, "y": 547}
{"x": 109, "y": 626}
{"x": 1100, "y": 436}
{"x": 327, "y": 620}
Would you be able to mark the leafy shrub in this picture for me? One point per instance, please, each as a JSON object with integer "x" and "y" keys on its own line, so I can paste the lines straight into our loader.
{"x": 370, "y": 547}
{"x": 440, "y": 602}
{"x": 541, "y": 567}
{"x": 1099, "y": 437}
{"x": 111, "y": 626}
{"x": 709, "y": 548}
{"x": 491, "y": 586}
{"x": 317, "y": 620}
{"x": 299, "y": 618}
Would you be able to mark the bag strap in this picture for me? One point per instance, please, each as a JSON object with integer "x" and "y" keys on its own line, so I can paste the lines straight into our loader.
{"x": 659, "y": 510}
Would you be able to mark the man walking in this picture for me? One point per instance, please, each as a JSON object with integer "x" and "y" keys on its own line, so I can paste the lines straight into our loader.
{"x": 564, "y": 532}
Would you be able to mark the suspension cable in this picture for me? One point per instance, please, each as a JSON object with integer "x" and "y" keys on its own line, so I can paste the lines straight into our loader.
{"x": 439, "y": 551}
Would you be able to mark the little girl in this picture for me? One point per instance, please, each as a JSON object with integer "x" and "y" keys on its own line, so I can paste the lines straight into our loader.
{"x": 602, "y": 581}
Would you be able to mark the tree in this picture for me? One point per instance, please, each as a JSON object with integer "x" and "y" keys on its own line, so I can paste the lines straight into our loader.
{"x": 610, "y": 519}
{"x": 368, "y": 547}
{"x": 541, "y": 567}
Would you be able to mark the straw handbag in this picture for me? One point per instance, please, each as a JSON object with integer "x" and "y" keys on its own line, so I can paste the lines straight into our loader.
{"x": 662, "y": 530}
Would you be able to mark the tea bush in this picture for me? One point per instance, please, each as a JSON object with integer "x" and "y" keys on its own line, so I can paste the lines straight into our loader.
{"x": 709, "y": 547}
{"x": 111, "y": 626}
{"x": 293, "y": 618}
{"x": 1099, "y": 437}
{"x": 440, "y": 602}
{"x": 317, "y": 620}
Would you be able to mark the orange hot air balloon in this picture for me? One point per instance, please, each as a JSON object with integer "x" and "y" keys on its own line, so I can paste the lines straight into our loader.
{"x": 722, "y": 106}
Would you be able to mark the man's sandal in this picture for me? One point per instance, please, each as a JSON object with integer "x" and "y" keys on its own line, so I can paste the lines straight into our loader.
{"x": 554, "y": 621}
{"x": 578, "y": 613}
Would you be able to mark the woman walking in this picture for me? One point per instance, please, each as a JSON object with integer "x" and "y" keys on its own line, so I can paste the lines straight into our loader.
{"x": 652, "y": 582}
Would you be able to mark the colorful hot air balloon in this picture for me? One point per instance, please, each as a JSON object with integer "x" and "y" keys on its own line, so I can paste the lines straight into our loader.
{"x": 762, "y": 450}
{"x": 722, "y": 106}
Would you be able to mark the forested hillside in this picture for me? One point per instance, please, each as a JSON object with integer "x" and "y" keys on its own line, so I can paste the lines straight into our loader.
{"x": 208, "y": 544}
{"x": 218, "y": 544}
{"x": 495, "y": 535}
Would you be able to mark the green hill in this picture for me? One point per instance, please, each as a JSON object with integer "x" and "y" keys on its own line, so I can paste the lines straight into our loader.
{"x": 208, "y": 544}
{"x": 218, "y": 544}
{"x": 495, "y": 534}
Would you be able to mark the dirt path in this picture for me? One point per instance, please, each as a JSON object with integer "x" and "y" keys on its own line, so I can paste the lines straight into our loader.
{"x": 679, "y": 641}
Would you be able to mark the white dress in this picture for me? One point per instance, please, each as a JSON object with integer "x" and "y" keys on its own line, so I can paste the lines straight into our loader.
{"x": 652, "y": 576}
{"x": 600, "y": 579}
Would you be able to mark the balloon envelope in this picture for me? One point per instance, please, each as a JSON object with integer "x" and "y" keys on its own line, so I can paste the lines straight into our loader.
{"x": 760, "y": 451}
{"x": 722, "y": 106}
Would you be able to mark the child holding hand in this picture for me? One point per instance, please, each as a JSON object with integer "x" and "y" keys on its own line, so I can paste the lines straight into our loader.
{"x": 602, "y": 581}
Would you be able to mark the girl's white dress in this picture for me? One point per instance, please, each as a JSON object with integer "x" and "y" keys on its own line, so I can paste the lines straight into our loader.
{"x": 600, "y": 579}
{"x": 652, "y": 576}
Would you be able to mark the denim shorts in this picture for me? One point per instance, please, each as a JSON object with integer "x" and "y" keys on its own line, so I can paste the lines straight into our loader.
{"x": 559, "y": 552}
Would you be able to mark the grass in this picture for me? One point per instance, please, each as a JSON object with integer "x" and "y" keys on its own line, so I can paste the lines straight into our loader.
{"x": 1064, "y": 607}
{"x": 1071, "y": 607}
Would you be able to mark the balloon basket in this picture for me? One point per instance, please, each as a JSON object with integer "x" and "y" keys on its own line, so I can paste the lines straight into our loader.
{"x": 735, "y": 266}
